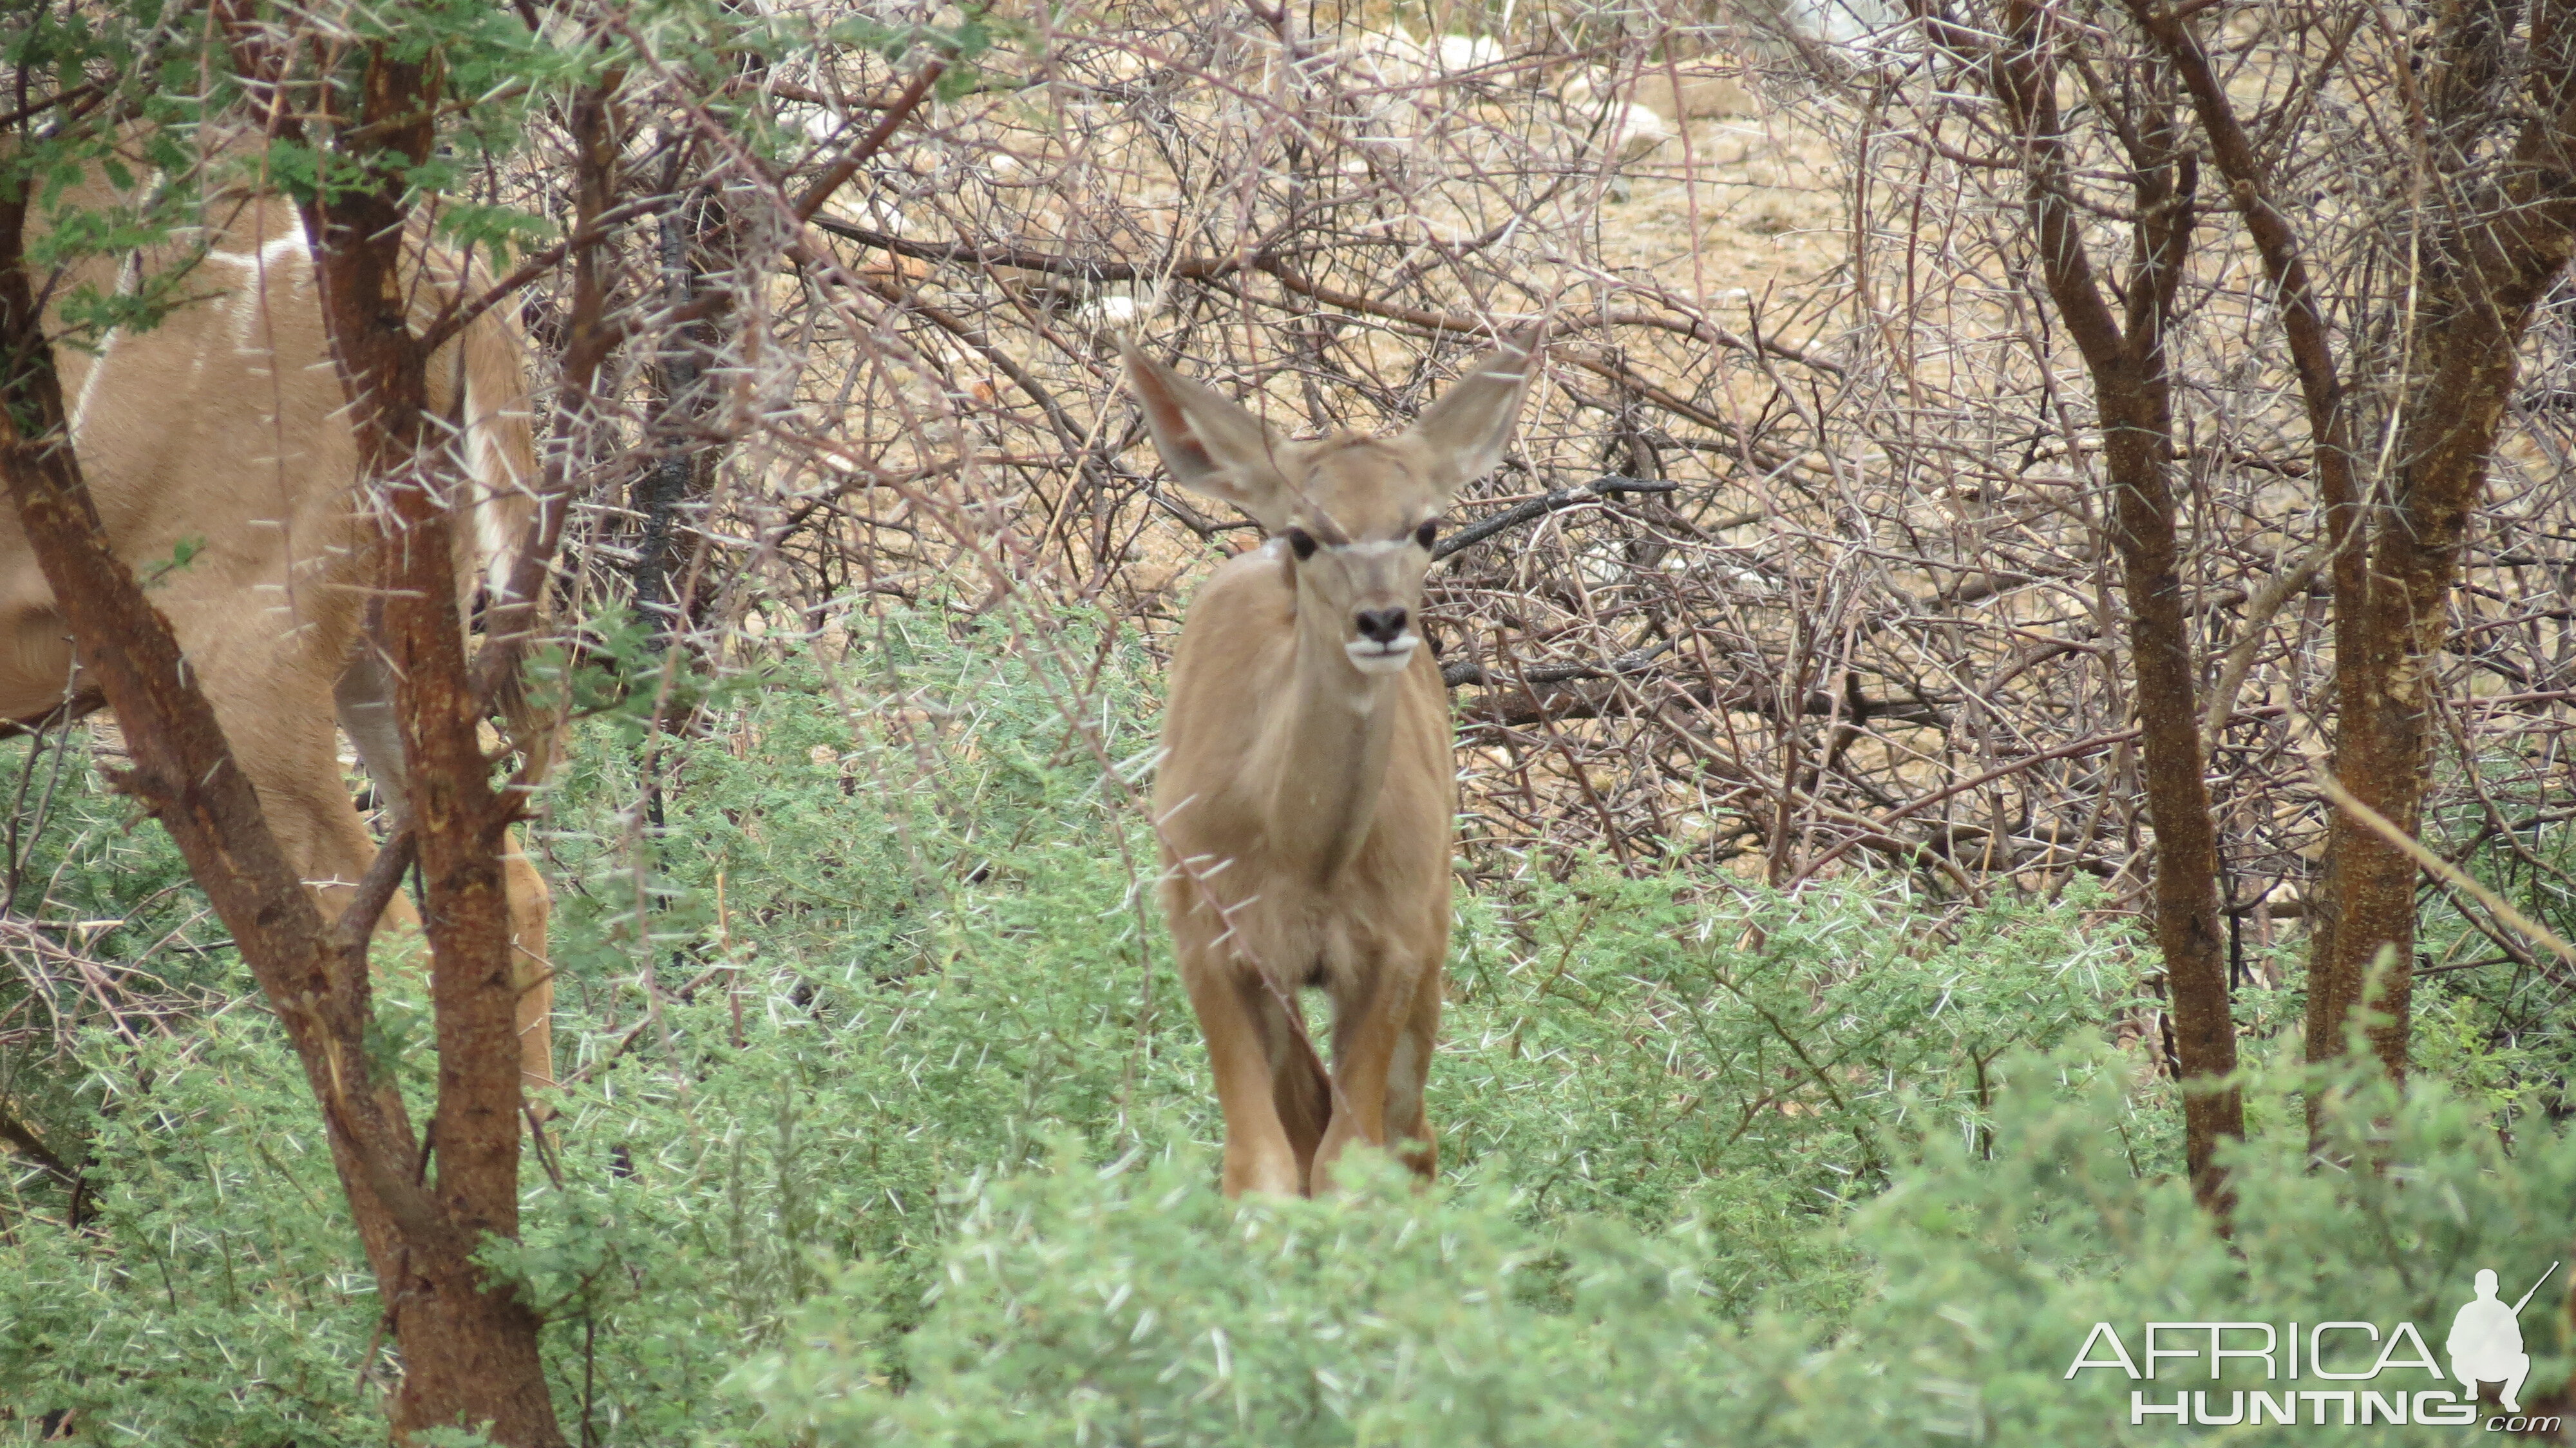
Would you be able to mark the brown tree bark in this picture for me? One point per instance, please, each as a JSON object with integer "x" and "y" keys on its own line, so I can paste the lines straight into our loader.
{"x": 418, "y": 1240}
{"x": 2395, "y": 562}
{"x": 2485, "y": 268}
{"x": 469, "y": 1347}
{"x": 2484, "y": 284}
{"x": 2133, "y": 393}
{"x": 183, "y": 775}
{"x": 468, "y": 1344}
{"x": 2332, "y": 992}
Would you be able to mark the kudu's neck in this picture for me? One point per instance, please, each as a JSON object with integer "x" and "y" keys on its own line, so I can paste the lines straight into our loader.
{"x": 1324, "y": 751}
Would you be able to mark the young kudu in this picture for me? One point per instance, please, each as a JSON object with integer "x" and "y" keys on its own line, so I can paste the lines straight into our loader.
{"x": 1307, "y": 787}
{"x": 219, "y": 456}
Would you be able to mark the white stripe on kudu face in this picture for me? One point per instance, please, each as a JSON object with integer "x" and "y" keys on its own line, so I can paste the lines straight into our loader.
{"x": 1372, "y": 549}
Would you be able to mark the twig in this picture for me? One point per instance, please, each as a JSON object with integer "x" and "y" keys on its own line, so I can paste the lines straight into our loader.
{"x": 2080, "y": 746}
{"x": 23, "y": 1138}
{"x": 627, "y": 1038}
{"x": 1465, "y": 672}
{"x": 2449, "y": 873}
{"x": 2240, "y": 657}
{"x": 1554, "y": 500}
{"x": 375, "y": 891}
{"x": 848, "y": 166}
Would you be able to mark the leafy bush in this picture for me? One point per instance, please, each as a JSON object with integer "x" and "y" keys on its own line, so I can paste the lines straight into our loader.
{"x": 889, "y": 1121}
{"x": 1130, "y": 1305}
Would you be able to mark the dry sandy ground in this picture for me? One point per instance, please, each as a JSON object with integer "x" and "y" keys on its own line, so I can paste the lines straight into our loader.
{"x": 1750, "y": 206}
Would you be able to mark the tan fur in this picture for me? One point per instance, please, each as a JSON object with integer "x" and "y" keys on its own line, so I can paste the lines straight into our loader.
{"x": 224, "y": 425}
{"x": 1305, "y": 802}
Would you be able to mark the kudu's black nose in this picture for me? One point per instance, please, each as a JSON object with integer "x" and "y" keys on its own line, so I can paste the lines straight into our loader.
{"x": 1383, "y": 625}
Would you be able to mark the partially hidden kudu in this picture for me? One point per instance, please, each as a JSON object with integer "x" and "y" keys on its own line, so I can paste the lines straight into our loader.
{"x": 1307, "y": 791}
{"x": 224, "y": 470}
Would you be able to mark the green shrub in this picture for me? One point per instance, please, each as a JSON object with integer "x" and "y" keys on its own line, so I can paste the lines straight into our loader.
{"x": 926, "y": 1151}
{"x": 218, "y": 1294}
{"x": 1129, "y": 1304}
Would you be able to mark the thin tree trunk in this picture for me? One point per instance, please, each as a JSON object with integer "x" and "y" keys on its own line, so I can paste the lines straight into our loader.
{"x": 183, "y": 774}
{"x": 463, "y": 1364}
{"x": 469, "y": 1345}
{"x": 671, "y": 478}
{"x": 2331, "y": 992}
{"x": 2482, "y": 276}
{"x": 2133, "y": 393}
{"x": 2384, "y": 751}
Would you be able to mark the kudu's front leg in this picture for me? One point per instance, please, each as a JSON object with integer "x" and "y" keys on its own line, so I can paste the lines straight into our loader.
{"x": 1273, "y": 1117}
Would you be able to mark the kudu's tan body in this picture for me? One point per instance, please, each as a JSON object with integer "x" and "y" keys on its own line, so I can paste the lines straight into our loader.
{"x": 222, "y": 434}
{"x": 1307, "y": 790}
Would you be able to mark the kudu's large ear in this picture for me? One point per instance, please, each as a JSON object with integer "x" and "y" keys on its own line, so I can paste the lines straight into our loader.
{"x": 1211, "y": 445}
{"x": 1465, "y": 432}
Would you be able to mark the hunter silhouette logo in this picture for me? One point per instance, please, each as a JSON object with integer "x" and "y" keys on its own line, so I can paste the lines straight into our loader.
{"x": 2486, "y": 1341}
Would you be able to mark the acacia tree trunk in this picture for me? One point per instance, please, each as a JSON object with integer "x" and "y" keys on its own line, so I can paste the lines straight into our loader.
{"x": 2482, "y": 272}
{"x": 469, "y": 1353}
{"x": 677, "y": 474}
{"x": 2480, "y": 305}
{"x": 2304, "y": 328}
{"x": 2133, "y": 394}
{"x": 468, "y": 1344}
{"x": 2395, "y": 562}
{"x": 183, "y": 774}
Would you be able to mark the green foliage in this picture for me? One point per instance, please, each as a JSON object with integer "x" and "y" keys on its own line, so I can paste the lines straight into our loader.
{"x": 218, "y": 1294}
{"x": 1129, "y": 1305}
{"x": 98, "y": 66}
{"x": 85, "y": 872}
{"x": 959, "y": 44}
{"x": 2491, "y": 1009}
{"x": 924, "y": 1152}
{"x": 1755, "y": 1035}
{"x": 497, "y": 230}
{"x": 182, "y": 553}
{"x": 1994, "y": 1271}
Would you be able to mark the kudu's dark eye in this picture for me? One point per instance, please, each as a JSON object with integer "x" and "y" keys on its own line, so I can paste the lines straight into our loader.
{"x": 1426, "y": 535}
{"x": 1302, "y": 541}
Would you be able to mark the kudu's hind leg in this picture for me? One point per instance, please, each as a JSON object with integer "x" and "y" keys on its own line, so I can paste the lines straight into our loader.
{"x": 1382, "y": 1040}
{"x": 364, "y": 699}
{"x": 1408, "y": 1073}
{"x": 532, "y": 970}
{"x": 267, "y": 700}
{"x": 1303, "y": 1095}
{"x": 293, "y": 762}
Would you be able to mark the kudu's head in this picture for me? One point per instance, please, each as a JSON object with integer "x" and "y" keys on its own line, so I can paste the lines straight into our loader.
{"x": 1357, "y": 515}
